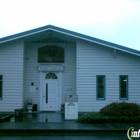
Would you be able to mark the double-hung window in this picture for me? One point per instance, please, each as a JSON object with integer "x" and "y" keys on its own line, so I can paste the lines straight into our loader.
{"x": 123, "y": 87}
{"x": 100, "y": 83}
{"x": 1, "y": 79}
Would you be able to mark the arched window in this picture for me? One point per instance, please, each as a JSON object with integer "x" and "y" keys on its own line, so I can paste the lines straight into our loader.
{"x": 51, "y": 76}
{"x": 51, "y": 54}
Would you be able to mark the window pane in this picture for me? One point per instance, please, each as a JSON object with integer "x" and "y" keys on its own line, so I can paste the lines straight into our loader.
{"x": 51, "y": 54}
{"x": 100, "y": 86}
{"x": 46, "y": 93}
{"x": 51, "y": 76}
{"x": 0, "y": 86}
{"x": 123, "y": 86}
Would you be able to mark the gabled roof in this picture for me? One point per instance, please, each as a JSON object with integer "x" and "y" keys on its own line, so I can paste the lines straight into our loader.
{"x": 70, "y": 33}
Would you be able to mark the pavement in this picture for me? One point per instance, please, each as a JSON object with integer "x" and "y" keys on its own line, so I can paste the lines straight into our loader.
{"x": 54, "y": 124}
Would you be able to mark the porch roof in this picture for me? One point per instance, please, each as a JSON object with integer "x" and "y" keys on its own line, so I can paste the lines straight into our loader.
{"x": 41, "y": 31}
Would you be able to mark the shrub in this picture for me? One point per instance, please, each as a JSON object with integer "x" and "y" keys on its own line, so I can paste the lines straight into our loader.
{"x": 116, "y": 109}
{"x": 92, "y": 118}
{"x": 99, "y": 118}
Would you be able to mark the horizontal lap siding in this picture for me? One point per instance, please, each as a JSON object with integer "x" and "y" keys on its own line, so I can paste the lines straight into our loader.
{"x": 11, "y": 67}
{"x": 24, "y": 75}
{"x": 92, "y": 60}
{"x": 32, "y": 74}
{"x": 69, "y": 74}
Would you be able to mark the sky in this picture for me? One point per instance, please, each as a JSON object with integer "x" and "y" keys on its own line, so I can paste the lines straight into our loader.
{"x": 116, "y": 21}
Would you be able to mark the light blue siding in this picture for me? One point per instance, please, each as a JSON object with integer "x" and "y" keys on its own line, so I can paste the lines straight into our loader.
{"x": 92, "y": 60}
{"x": 32, "y": 73}
{"x": 11, "y": 67}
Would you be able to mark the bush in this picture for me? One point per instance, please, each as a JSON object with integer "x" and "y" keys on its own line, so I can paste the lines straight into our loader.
{"x": 115, "y": 112}
{"x": 121, "y": 109}
{"x": 93, "y": 118}
{"x": 99, "y": 118}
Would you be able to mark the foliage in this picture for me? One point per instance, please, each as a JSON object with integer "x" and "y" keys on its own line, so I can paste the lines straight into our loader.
{"x": 99, "y": 118}
{"x": 115, "y": 112}
{"x": 116, "y": 109}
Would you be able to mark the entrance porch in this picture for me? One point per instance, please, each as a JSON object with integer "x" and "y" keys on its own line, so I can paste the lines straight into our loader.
{"x": 49, "y": 70}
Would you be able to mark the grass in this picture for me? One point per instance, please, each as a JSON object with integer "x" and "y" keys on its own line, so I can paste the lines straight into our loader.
{"x": 97, "y": 117}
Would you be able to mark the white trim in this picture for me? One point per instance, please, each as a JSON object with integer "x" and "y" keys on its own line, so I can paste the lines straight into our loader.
{"x": 60, "y": 89}
{"x": 46, "y": 106}
{"x": 76, "y": 69}
{"x": 89, "y": 40}
{"x": 22, "y": 80}
{"x": 72, "y": 36}
{"x": 50, "y": 68}
{"x": 42, "y": 80}
{"x": 24, "y": 35}
{"x": 40, "y": 90}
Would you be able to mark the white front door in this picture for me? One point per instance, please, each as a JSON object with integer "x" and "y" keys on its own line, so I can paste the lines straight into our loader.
{"x": 51, "y": 95}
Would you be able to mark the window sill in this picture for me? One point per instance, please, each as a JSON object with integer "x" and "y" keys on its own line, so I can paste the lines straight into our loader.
{"x": 100, "y": 99}
{"x": 123, "y": 98}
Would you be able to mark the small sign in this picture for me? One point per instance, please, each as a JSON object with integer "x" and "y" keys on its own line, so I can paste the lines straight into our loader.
{"x": 32, "y": 89}
{"x": 69, "y": 88}
{"x": 71, "y": 104}
{"x": 41, "y": 68}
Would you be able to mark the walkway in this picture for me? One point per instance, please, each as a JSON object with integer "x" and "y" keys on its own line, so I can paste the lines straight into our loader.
{"x": 54, "y": 124}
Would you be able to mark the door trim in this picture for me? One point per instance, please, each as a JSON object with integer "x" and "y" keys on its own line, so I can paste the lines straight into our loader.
{"x": 41, "y": 88}
{"x": 46, "y": 105}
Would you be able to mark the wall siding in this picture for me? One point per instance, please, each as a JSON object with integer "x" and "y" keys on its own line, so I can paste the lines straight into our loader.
{"x": 11, "y": 67}
{"x": 92, "y": 60}
{"x": 24, "y": 75}
{"x": 32, "y": 74}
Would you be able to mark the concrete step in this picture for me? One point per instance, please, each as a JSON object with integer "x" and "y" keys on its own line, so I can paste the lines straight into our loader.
{"x": 61, "y": 129}
{"x": 59, "y": 132}
{"x": 5, "y": 118}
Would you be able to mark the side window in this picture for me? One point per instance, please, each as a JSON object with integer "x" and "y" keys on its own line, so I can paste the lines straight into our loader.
{"x": 123, "y": 87}
{"x": 1, "y": 87}
{"x": 100, "y": 86}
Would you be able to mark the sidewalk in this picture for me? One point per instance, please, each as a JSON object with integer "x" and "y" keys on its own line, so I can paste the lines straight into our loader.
{"x": 62, "y": 127}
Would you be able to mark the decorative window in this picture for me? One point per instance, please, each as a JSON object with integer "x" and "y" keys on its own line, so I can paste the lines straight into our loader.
{"x": 51, "y": 76}
{"x": 100, "y": 80}
{"x": 51, "y": 54}
{"x": 1, "y": 86}
{"x": 123, "y": 87}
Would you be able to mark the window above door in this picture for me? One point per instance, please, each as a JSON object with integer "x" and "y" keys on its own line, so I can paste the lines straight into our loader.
{"x": 51, "y": 54}
{"x": 51, "y": 76}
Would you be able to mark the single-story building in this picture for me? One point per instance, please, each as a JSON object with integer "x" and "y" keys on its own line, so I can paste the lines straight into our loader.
{"x": 48, "y": 63}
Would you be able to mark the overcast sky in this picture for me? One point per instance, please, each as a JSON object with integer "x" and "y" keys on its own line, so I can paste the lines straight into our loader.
{"x": 117, "y": 21}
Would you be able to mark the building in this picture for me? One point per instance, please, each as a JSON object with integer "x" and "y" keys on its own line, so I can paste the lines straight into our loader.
{"x": 49, "y": 62}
